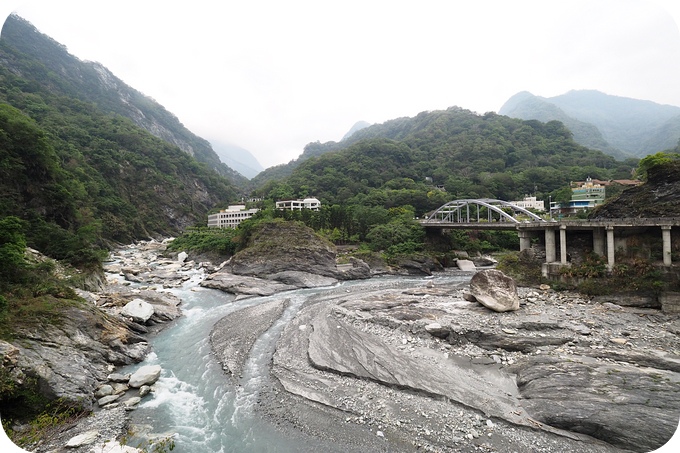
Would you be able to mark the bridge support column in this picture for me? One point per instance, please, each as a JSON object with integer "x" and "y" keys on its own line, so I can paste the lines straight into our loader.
{"x": 550, "y": 252}
{"x": 666, "y": 237}
{"x": 598, "y": 241}
{"x": 610, "y": 247}
{"x": 524, "y": 240}
{"x": 563, "y": 244}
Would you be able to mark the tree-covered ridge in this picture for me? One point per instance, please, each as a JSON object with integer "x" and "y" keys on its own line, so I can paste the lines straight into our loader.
{"x": 45, "y": 64}
{"x": 613, "y": 124}
{"x": 471, "y": 156}
{"x": 80, "y": 176}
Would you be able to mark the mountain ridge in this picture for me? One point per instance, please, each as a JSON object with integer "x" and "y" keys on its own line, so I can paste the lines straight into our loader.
{"x": 619, "y": 126}
{"x": 93, "y": 82}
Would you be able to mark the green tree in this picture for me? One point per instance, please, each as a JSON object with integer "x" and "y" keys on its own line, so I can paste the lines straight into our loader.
{"x": 12, "y": 250}
{"x": 654, "y": 160}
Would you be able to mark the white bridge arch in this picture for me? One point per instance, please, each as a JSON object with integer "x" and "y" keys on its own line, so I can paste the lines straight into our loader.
{"x": 479, "y": 211}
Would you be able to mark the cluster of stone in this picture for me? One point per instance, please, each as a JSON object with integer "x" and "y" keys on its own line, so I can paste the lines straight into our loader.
{"x": 118, "y": 391}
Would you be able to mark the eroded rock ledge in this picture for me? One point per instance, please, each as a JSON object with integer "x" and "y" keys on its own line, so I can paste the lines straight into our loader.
{"x": 421, "y": 366}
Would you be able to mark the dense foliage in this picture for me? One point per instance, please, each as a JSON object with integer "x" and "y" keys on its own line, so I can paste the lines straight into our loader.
{"x": 43, "y": 63}
{"x": 220, "y": 241}
{"x": 81, "y": 178}
{"x": 408, "y": 161}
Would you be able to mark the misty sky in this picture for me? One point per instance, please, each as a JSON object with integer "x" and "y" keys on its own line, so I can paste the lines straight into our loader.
{"x": 272, "y": 76}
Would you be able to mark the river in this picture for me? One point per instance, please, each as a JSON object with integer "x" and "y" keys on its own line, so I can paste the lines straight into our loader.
{"x": 194, "y": 401}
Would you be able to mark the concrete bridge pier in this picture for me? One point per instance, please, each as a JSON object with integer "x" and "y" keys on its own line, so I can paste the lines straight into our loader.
{"x": 524, "y": 240}
{"x": 598, "y": 241}
{"x": 666, "y": 237}
{"x": 563, "y": 244}
{"x": 550, "y": 251}
{"x": 610, "y": 247}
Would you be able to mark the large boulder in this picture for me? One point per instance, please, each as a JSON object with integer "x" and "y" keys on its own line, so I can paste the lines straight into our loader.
{"x": 466, "y": 265}
{"x": 139, "y": 310}
{"x": 495, "y": 290}
{"x": 145, "y": 375}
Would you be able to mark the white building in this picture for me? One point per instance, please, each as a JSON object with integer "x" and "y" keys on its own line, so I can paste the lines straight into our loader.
{"x": 530, "y": 203}
{"x": 230, "y": 217}
{"x": 293, "y": 205}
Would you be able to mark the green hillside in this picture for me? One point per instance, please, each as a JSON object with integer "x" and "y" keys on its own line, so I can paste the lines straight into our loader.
{"x": 81, "y": 175}
{"x": 616, "y": 125}
{"x": 408, "y": 161}
{"x": 39, "y": 59}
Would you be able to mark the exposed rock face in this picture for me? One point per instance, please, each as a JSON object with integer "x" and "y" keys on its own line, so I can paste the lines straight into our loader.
{"x": 658, "y": 197}
{"x": 284, "y": 246}
{"x": 244, "y": 285}
{"x": 495, "y": 290}
{"x": 562, "y": 365}
{"x": 601, "y": 399}
{"x": 279, "y": 248}
{"x": 417, "y": 265}
{"x": 337, "y": 346}
{"x": 71, "y": 357}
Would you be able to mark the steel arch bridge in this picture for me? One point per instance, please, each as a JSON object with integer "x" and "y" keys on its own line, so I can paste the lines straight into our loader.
{"x": 478, "y": 211}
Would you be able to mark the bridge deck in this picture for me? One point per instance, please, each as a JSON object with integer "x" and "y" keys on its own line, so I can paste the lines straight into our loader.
{"x": 567, "y": 224}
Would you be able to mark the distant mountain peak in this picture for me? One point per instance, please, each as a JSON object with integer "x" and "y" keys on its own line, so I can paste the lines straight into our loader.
{"x": 617, "y": 125}
{"x": 357, "y": 127}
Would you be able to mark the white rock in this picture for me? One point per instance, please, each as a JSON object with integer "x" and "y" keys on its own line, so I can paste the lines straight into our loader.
{"x": 82, "y": 439}
{"x": 132, "y": 402}
{"x": 466, "y": 265}
{"x": 114, "y": 447}
{"x": 146, "y": 375}
{"x": 139, "y": 310}
{"x": 182, "y": 257}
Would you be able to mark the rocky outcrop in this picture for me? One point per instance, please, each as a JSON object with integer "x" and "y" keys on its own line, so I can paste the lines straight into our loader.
{"x": 68, "y": 359}
{"x": 590, "y": 372}
{"x": 416, "y": 265}
{"x": 495, "y": 290}
{"x": 278, "y": 248}
{"x": 607, "y": 400}
{"x": 659, "y": 196}
{"x": 244, "y": 285}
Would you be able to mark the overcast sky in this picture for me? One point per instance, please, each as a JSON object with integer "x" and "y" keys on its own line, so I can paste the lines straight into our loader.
{"x": 272, "y": 76}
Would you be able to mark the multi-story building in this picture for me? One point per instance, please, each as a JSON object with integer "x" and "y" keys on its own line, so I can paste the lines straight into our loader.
{"x": 230, "y": 217}
{"x": 299, "y": 204}
{"x": 530, "y": 203}
{"x": 586, "y": 195}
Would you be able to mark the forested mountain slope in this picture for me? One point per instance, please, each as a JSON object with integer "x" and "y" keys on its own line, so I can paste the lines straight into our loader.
{"x": 616, "y": 125}
{"x": 79, "y": 174}
{"x": 40, "y": 60}
{"x": 403, "y": 161}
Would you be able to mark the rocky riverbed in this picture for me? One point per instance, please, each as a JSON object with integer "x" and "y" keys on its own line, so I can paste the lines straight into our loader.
{"x": 411, "y": 365}
{"x": 420, "y": 368}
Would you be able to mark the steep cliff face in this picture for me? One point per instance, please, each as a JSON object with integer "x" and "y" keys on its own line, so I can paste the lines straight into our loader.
{"x": 658, "y": 197}
{"x": 92, "y": 82}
